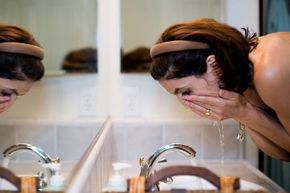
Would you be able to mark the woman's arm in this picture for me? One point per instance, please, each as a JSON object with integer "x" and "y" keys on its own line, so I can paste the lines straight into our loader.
{"x": 268, "y": 133}
{"x": 268, "y": 147}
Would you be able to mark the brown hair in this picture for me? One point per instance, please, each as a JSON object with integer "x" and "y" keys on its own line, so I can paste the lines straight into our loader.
{"x": 19, "y": 66}
{"x": 230, "y": 47}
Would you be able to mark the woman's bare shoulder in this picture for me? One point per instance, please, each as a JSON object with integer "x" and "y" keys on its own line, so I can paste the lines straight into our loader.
{"x": 271, "y": 62}
{"x": 275, "y": 42}
{"x": 273, "y": 56}
{"x": 272, "y": 70}
{"x": 276, "y": 36}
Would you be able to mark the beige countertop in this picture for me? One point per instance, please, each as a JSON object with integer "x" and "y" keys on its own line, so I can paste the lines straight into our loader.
{"x": 237, "y": 168}
{"x": 243, "y": 170}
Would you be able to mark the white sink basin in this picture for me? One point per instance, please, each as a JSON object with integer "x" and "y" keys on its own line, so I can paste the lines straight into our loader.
{"x": 5, "y": 185}
{"x": 30, "y": 168}
{"x": 196, "y": 183}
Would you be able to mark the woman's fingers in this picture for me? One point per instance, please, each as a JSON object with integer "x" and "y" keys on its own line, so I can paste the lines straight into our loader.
{"x": 4, "y": 98}
{"x": 6, "y": 102}
{"x": 4, "y": 106}
{"x": 201, "y": 110}
{"x": 205, "y": 100}
{"x": 224, "y": 106}
{"x": 228, "y": 94}
{"x": 224, "y": 96}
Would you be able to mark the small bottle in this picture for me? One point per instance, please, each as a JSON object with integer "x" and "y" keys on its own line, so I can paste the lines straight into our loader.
{"x": 56, "y": 181}
{"x": 117, "y": 183}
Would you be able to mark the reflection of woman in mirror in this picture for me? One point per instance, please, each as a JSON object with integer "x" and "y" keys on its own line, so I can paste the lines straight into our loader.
{"x": 20, "y": 63}
{"x": 219, "y": 73}
{"x": 81, "y": 60}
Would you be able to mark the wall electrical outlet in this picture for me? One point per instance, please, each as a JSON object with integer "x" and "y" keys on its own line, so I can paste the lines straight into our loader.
{"x": 87, "y": 102}
{"x": 131, "y": 101}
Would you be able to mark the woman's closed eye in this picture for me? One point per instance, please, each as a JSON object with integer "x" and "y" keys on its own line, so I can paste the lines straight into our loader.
{"x": 186, "y": 92}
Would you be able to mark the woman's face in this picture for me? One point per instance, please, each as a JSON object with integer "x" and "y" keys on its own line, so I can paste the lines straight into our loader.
{"x": 10, "y": 89}
{"x": 205, "y": 85}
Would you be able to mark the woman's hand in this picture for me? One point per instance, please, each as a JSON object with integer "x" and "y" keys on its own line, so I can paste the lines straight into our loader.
{"x": 6, "y": 102}
{"x": 226, "y": 105}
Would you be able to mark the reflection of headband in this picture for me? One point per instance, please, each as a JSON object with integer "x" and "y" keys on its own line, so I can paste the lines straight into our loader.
{"x": 22, "y": 48}
{"x": 176, "y": 45}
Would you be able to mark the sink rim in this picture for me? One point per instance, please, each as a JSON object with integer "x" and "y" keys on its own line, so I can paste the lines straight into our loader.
{"x": 185, "y": 182}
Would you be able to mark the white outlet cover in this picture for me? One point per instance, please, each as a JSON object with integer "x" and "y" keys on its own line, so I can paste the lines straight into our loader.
{"x": 131, "y": 101}
{"x": 87, "y": 102}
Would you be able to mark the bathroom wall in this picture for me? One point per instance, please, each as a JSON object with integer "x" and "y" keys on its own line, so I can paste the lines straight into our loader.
{"x": 69, "y": 97}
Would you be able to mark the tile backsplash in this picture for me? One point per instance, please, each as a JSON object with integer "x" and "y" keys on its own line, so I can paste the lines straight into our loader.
{"x": 131, "y": 139}
{"x": 67, "y": 140}
{"x": 134, "y": 139}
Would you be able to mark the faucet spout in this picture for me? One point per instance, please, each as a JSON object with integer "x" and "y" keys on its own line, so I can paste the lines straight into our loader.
{"x": 148, "y": 166}
{"x": 25, "y": 146}
{"x": 42, "y": 179}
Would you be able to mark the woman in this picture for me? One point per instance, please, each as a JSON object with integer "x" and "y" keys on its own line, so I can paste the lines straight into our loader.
{"x": 219, "y": 73}
{"x": 20, "y": 64}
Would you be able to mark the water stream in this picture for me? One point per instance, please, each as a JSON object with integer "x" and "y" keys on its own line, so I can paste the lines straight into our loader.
{"x": 220, "y": 127}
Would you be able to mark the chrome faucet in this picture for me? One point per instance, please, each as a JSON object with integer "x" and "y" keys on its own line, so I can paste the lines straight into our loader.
{"x": 10, "y": 151}
{"x": 25, "y": 146}
{"x": 147, "y": 167}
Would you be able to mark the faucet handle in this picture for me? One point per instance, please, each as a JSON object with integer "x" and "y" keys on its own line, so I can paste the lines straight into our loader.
{"x": 142, "y": 161}
{"x": 55, "y": 160}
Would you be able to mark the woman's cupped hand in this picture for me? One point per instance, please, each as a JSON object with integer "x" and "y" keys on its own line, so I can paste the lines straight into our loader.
{"x": 226, "y": 105}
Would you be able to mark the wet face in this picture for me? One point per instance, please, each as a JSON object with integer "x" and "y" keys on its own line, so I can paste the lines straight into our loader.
{"x": 205, "y": 85}
{"x": 10, "y": 90}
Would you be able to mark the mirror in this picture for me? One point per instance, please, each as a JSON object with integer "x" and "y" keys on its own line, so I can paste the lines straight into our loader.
{"x": 143, "y": 21}
{"x": 64, "y": 28}
{"x": 60, "y": 110}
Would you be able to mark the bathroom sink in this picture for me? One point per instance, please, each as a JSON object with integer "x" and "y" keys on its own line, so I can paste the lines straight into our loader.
{"x": 30, "y": 168}
{"x": 5, "y": 185}
{"x": 251, "y": 178}
{"x": 196, "y": 183}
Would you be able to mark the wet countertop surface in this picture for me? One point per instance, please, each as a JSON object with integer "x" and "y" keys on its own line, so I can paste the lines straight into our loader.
{"x": 244, "y": 171}
{"x": 237, "y": 168}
